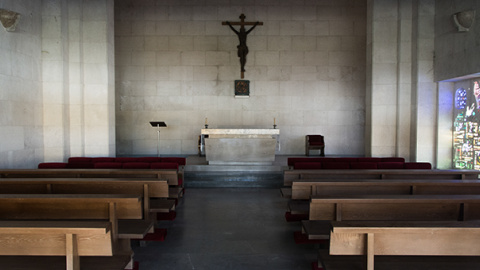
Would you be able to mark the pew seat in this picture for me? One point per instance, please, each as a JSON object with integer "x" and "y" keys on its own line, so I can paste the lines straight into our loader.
{"x": 372, "y": 238}
{"x": 70, "y": 239}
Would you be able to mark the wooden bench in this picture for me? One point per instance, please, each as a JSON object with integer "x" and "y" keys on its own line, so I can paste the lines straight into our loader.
{"x": 171, "y": 176}
{"x": 396, "y": 207}
{"x": 70, "y": 239}
{"x": 388, "y": 208}
{"x": 290, "y": 176}
{"x": 304, "y": 189}
{"x": 370, "y": 238}
{"x": 123, "y": 211}
{"x": 153, "y": 191}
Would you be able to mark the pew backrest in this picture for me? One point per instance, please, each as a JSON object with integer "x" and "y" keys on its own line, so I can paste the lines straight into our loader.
{"x": 304, "y": 189}
{"x": 171, "y": 176}
{"x": 396, "y": 207}
{"x": 290, "y": 176}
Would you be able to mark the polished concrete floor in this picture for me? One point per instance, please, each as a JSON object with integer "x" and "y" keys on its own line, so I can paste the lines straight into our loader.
{"x": 228, "y": 228}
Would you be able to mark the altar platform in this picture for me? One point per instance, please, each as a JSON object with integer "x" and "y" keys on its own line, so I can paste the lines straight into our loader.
{"x": 199, "y": 174}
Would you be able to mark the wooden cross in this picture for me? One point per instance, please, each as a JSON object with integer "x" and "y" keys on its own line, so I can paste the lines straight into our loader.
{"x": 242, "y": 37}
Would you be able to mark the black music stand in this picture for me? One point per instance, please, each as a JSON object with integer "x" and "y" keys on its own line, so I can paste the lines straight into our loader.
{"x": 158, "y": 125}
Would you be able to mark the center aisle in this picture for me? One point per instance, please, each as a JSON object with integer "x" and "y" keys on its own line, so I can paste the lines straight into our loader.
{"x": 228, "y": 228}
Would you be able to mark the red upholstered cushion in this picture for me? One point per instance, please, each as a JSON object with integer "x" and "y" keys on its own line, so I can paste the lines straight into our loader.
{"x": 418, "y": 166}
{"x": 390, "y": 165}
{"x": 369, "y": 159}
{"x": 164, "y": 165}
{"x": 52, "y": 165}
{"x": 363, "y": 165}
{"x": 80, "y": 165}
{"x": 126, "y": 159}
{"x": 393, "y": 159}
{"x": 316, "y": 143}
{"x": 107, "y": 165}
{"x": 307, "y": 166}
{"x": 293, "y": 160}
{"x": 315, "y": 138}
{"x": 335, "y": 165}
{"x": 344, "y": 159}
{"x": 79, "y": 159}
{"x": 136, "y": 165}
{"x": 149, "y": 159}
{"x": 179, "y": 160}
{"x": 103, "y": 159}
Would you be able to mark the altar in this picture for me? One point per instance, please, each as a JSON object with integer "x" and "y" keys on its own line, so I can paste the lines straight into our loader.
{"x": 240, "y": 146}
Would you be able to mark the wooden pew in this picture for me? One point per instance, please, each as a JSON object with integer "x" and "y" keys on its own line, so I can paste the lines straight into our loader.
{"x": 123, "y": 211}
{"x": 304, "y": 189}
{"x": 370, "y": 238}
{"x": 292, "y": 175}
{"x": 171, "y": 176}
{"x": 396, "y": 207}
{"x": 388, "y": 208}
{"x": 144, "y": 187}
{"x": 70, "y": 239}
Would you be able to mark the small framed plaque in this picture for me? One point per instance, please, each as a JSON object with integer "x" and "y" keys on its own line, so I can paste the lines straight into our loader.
{"x": 242, "y": 88}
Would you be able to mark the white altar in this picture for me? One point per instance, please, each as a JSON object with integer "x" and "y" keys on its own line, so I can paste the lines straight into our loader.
{"x": 240, "y": 146}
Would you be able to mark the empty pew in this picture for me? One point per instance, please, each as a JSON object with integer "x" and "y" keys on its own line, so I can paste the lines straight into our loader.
{"x": 388, "y": 208}
{"x": 70, "y": 239}
{"x": 304, "y": 189}
{"x": 170, "y": 175}
{"x": 371, "y": 238}
{"x": 396, "y": 207}
{"x": 153, "y": 191}
{"x": 290, "y": 176}
{"x": 123, "y": 212}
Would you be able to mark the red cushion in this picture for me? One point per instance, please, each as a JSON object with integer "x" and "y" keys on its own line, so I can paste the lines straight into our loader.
{"x": 369, "y": 159}
{"x": 126, "y": 159}
{"x": 363, "y": 165}
{"x": 103, "y": 159}
{"x": 335, "y": 165}
{"x": 315, "y": 138}
{"x": 418, "y": 166}
{"x": 164, "y": 165}
{"x": 136, "y": 165}
{"x": 291, "y": 161}
{"x": 80, "y": 165}
{"x": 308, "y": 166}
{"x": 344, "y": 159}
{"x": 52, "y": 165}
{"x": 316, "y": 143}
{"x": 150, "y": 159}
{"x": 107, "y": 165}
{"x": 390, "y": 165}
{"x": 393, "y": 159}
{"x": 79, "y": 159}
{"x": 179, "y": 160}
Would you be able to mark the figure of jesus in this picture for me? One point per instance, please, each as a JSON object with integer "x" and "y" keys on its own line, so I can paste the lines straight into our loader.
{"x": 242, "y": 38}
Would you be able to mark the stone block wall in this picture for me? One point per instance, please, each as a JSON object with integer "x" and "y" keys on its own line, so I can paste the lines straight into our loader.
{"x": 21, "y": 107}
{"x": 176, "y": 62}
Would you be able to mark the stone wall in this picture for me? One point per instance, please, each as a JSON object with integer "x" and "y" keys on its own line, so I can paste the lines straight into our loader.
{"x": 456, "y": 53}
{"x": 176, "y": 62}
{"x": 21, "y": 108}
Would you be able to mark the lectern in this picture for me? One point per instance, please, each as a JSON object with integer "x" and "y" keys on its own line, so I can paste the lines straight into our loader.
{"x": 158, "y": 125}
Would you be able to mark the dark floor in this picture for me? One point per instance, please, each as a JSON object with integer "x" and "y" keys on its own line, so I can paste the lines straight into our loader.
{"x": 228, "y": 228}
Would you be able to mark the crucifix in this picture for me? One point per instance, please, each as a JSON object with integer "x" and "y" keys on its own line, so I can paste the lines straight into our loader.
{"x": 242, "y": 49}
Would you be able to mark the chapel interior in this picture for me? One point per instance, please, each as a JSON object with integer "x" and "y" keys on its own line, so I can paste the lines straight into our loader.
{"x": 179, "y": 78}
